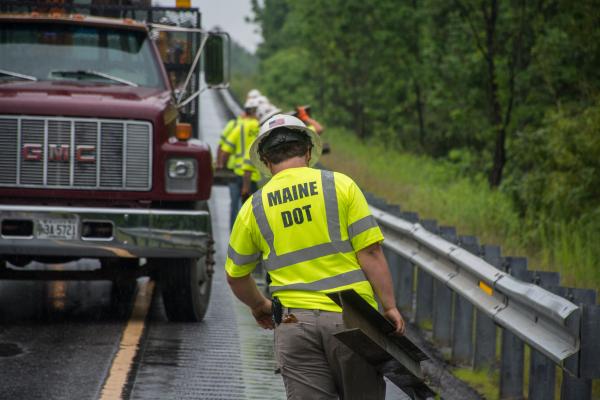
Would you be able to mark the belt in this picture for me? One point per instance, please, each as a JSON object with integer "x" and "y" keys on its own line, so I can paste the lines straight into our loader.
{"x": 290, "y": 310}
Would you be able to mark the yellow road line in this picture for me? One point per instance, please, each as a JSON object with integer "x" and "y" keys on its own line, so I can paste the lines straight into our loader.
{"x": 117, "y": 377}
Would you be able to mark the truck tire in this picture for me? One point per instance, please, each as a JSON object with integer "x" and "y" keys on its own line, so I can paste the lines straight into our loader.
{"x": 124, "y": 284}
{"x": 185, "y": 285}
{"x": 122, "y": 297}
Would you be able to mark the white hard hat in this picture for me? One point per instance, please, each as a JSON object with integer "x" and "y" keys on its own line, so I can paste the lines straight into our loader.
{"x": 266, "y": 111}
{"x": 251, "y": 103}
{"x": 283, "y": 121}
{"x": 263, "y": 100}
{"x": 253, "y": 93}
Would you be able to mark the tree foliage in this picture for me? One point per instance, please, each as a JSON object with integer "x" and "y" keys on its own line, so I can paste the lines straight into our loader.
{"x": 510, "y": 89}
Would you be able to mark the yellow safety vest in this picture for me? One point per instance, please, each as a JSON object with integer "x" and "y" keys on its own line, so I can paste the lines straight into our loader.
{"x": 224, "y": 141}
{"x": 306, "y": 226}
{"x": 238, "y": 141}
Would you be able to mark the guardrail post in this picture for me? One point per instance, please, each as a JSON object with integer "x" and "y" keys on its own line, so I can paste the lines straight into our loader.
{"x": 392, "y": 260}
{"x": 574, "y": 388}
{"x": 424, "y": 311}
{"x": 406, "y": 276}
{"x": 485, "y": 328}
{"x": 542, "y": 370}
{"x": 462, "y": 343}
{"x": 443, "y": 296}
{"x": 513, "y": 349}
{"x": 403, "y": 276}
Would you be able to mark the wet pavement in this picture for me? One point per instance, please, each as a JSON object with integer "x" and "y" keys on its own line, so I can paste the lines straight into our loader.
{"x": 57, "y": 340}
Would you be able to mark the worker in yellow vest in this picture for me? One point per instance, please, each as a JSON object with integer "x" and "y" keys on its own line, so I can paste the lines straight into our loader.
{"x": 253, "y": 99}
{"x": 233, "y": 147}
{"x": 313, "y": 232}
{"x": 263, "y": 113}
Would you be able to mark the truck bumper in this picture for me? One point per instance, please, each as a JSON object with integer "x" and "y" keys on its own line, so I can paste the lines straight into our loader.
{"x": 103, "y": 232}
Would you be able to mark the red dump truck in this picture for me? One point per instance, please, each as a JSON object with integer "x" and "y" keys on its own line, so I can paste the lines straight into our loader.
{"x": 100, "y": 155}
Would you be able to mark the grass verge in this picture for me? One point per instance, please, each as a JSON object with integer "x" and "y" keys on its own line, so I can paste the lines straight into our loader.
{"x": 485, "y": 382}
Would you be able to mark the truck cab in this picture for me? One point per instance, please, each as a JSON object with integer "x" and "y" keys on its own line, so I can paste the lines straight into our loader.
{"x": 100, "y": 157}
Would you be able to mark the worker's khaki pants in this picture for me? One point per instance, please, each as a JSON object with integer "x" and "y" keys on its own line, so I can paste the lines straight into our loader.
{"x": 315, "y": 365}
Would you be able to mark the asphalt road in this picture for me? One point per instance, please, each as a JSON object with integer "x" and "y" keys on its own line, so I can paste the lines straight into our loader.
{"x": 61, "y": 340}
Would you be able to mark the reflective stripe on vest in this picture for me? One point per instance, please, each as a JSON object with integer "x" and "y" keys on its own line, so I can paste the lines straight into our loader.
{"x": 335, "y": 246}
{"x": 227, "y": 142}
{"x": 346, "y": 278}
{"x": 241, "y": 259}
{"x": 363, "y": 224}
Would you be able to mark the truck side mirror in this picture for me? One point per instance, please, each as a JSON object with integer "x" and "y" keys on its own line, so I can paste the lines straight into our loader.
{"x": 214, "y": 60}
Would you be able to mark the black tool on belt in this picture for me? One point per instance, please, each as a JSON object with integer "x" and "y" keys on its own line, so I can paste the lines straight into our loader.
{"x": 276, "y": 311}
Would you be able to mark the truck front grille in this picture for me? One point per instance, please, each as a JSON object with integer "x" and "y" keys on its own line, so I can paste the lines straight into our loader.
{"x": 75, "y": 153}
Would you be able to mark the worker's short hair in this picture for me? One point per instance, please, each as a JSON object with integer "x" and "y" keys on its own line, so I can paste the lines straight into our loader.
{"x": 283, "y": 144}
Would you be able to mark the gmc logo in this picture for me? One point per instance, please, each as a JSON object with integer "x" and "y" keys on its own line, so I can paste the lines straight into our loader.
{"x": 59, "y": 152}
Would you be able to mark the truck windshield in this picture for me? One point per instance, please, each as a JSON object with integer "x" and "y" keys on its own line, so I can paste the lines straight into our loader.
{"x": 39, "y": 50}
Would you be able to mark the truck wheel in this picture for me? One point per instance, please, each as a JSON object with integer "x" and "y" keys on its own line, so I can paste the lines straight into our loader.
{"x": 122, "y": 296}
{"x": 124, "y": 284}
{"x": 185, "y": 286}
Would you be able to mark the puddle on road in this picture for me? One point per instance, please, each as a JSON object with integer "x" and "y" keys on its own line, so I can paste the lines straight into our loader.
{"x": 10, "y": 349}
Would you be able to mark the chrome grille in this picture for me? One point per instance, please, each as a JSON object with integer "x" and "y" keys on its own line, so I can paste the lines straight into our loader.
{"x": 85, "y": 174}
{"x": 75, "y": 153}
{"x": 111, "y": 157}
{"x": 136, "y": 157}
{"x": 59, "y": 149}
{"x": 9, "y": 129}
{"x": 32, "y": 134}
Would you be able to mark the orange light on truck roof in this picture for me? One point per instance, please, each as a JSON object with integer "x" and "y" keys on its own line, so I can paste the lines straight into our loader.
{"x": 183, "y": 131}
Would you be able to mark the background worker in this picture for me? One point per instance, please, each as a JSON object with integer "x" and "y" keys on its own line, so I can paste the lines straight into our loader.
{"x": 313, "y": 232}
{"x": 233, "y": 146}
{"x": 256, "y": 98}
{"x": 303, "y": 114}
{"x": 251, "y": 173}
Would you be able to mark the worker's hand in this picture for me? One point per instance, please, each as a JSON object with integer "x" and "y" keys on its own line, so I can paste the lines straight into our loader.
{"x": 262, "y": 314}
{"x": 393, "y": 315}
{"x": 302, "y": 114}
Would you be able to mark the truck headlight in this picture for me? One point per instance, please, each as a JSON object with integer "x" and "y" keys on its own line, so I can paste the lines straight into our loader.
{"x": 181, "y": 175}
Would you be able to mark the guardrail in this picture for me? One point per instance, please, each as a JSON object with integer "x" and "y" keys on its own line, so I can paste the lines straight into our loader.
{"x": 545, "y": 321}
{"x": 230, "y": 103}
{"x": 467, "y": 294}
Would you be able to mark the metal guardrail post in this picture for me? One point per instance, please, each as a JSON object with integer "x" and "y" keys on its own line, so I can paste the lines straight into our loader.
{"x": 443, "y": 298}
{"x": 424, "y": 311}
{"x": 485, "y": 328}
{"x": 404, "y": 284}
{"x": 462, "y": 345}
{"x": 580, "y": 388}
{"x": 406, "y": 278}
{"x": 542, "y": 371}
{"x": 513, "y": 349}
{"x": 392, "y": 260}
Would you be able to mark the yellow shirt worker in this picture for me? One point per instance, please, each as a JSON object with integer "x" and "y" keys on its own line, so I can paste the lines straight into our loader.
{"x": 224, "y": 138}
{"x": 314, "y": 234}
{"x": 232, "y": 148}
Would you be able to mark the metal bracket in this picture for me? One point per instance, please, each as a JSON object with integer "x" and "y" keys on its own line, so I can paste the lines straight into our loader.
{"x": 368, "y": 334}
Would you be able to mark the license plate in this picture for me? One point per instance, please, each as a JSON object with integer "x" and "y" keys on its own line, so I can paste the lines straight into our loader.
{"x": 57, "y": 229}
